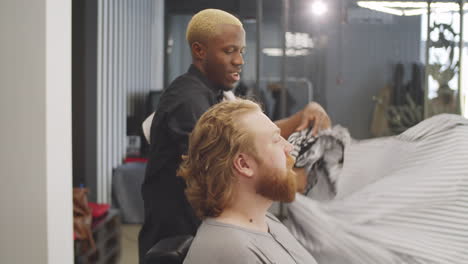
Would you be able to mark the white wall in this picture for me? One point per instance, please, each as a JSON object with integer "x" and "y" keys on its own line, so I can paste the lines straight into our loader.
{"x": 35, "y": 137}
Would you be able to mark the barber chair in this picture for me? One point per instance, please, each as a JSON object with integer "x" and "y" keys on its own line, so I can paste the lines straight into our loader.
{"x": 171, "y": 250}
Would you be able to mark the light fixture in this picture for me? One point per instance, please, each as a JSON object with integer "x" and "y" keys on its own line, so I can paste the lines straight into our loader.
{"x": 276, "y": 52}
{"x": 318, "y": 8}
{"x": 297, "y": 44}
{"x": 382, "y": 8}
{"x": 409, "y": 8}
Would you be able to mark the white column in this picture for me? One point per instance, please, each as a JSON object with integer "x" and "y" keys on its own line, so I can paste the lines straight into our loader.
{"x": 58, "y": 132}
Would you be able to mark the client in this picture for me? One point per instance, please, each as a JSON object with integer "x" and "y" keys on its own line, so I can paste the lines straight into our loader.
{"x": 237, "y": 165}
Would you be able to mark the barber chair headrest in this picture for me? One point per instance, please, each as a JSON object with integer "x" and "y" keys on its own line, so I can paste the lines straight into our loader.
{"x": 171, "y": 250}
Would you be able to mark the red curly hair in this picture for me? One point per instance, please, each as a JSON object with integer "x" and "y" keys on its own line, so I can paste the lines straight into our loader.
{"x": 213, "y": 144}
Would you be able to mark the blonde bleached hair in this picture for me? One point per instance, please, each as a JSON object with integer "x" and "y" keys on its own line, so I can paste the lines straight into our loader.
{"x": 214, "y": 143}
{"x": 204, "y": 25}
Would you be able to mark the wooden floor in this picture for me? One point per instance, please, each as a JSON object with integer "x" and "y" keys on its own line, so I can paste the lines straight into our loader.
{"x": 129, "y": 241}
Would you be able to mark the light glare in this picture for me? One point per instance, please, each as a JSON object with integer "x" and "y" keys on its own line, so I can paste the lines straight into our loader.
{"x": 318, "y": 8}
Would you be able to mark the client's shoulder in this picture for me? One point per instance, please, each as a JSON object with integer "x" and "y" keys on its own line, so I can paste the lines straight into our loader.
{"x": 217, "y": 242}
{"x": 217, "y": 234}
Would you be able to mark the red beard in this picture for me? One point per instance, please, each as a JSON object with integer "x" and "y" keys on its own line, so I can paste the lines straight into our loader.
{"x": 278, "y": 184}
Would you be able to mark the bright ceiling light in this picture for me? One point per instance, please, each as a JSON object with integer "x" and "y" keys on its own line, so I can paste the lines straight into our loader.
{"x": 409, "y": 8}
{"x": 382, "y": 8}
{"x": 414, "y": 12}
{"x": 319, "y": 8}
{"x": 394, "y": 4}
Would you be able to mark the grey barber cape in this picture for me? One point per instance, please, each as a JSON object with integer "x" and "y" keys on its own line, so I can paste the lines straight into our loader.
{"x": 399, "y": 199}
{"x": 218, "y": 242}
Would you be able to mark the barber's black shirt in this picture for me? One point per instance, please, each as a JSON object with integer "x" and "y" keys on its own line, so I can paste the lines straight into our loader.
{"x": 167, "y": 211}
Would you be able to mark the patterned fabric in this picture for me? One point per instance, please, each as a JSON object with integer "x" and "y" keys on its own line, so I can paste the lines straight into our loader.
{"x": 401, "y": 199}
{"x": 321, "y": 155}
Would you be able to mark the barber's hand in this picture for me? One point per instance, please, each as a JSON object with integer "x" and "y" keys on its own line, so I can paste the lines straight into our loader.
{"x": 313, "y": 112}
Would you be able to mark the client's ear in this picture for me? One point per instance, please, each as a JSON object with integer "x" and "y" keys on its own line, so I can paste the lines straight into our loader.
{"x": 243, "y": 164}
